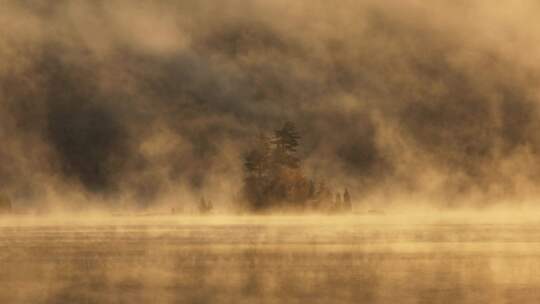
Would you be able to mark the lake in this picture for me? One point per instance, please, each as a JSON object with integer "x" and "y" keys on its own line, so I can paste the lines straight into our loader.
{"x": 294, "y": 259}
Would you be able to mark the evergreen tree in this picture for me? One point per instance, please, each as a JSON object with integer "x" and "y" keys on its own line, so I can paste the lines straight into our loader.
{"x": 273, "y": 177}
{"x": 312, "y": 190}
{"x": 338, "y": 205}
{"x": 286, "y": 142}
{"x": 347, "y": 200}
{"x": 205, "y": 206}
{"x": 5, "y": 204}
{"x": 258, "y": 168}
{"x": 257, "y": 161}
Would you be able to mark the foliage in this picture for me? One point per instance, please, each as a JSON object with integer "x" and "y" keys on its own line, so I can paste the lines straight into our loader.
{"x": 274, "y": 178}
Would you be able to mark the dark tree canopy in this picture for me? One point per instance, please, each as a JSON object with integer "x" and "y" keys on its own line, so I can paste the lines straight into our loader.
{"x": 286, "y": 143}
{"x": 256, "y": 161}
{"x": 286, "y": 138}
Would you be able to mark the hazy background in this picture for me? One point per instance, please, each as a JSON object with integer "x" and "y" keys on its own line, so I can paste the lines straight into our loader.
{"x": 152, "y": 103}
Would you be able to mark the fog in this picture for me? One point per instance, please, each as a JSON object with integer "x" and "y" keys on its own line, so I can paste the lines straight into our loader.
{"x": 270, "y": 259}
{"x": 118, "y": 104}
{"x": 118, "y": 117}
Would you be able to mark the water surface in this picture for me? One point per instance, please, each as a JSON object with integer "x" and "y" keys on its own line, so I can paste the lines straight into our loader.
{"x": 257, "y": 260}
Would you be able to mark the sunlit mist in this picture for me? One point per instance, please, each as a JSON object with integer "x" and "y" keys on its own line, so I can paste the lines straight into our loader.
{"x": 234, "y": 151}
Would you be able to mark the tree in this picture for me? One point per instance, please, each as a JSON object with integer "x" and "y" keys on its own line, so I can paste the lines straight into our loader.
{"x": 311, "y": 190}
{"x": 257, "y": 161}
{"x": 286, "y": 142}
{"x": 338, "y": 206}
{"x": 258, "y": 170}
{"x": 273, "y": 177}
{"x": 323, "y": 196}
{"x": 5, "y": 204}
{"x": 205, "y": 206}
{"x": 347, "y": 200}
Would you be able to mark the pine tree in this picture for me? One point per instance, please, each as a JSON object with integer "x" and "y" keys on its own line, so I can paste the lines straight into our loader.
{"x": 205, "y": 206}
{"x": 5, "y": 204}
{"x": 258, "y": 167}
{"x": 286, "y": 142}
{"x": 338, "y": 204}
{"x": 347, "y": 200}
{"x": 273, "y": 176}
{"x": 256, "y": 161}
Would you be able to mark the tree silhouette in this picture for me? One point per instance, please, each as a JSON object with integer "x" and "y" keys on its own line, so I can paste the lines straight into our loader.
{"x": 273, "y": 177}
{"x": 286, "y": 142}
{"x": 272, "y": 171}
{"x": 258, "y": 168}
{"x": 338, "y": 206}
{"x": 256, "y": 161}
{"x": 205, "y": 206}
{"x": 347, "y": 200}
{"x": 5, "y": 204}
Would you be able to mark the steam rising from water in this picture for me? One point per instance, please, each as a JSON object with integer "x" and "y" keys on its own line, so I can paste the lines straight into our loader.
{"x": 145, "y": 103}
{"x": 269, "y": 260}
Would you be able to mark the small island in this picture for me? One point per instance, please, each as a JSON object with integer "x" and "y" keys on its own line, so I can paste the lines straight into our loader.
{"x": 274, "y": 180}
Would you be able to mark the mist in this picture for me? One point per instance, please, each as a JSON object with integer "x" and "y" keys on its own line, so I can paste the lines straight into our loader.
{"x": 116, "y": 104}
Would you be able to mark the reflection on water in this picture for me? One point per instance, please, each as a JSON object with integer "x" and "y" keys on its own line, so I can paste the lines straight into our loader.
{"x": 285, "y": 262}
